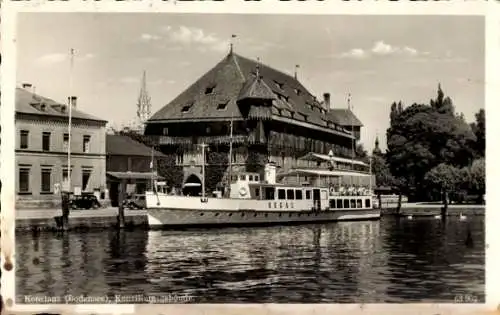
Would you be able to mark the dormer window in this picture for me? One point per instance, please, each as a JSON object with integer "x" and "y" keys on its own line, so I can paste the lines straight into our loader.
{"x": 222, "y": 106}
{"x": 42, "y": 107}
{"x": 186, "y": 108}
{"x": 209, "y": 90}
{"x": 298, "y": 92}
{"x": 279, "y": 84}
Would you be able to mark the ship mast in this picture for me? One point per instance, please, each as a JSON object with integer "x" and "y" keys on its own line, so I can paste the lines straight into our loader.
{"x": 352, "y": 134}
{"x": 230, "y": 171}
{"x": 203, "y": 146}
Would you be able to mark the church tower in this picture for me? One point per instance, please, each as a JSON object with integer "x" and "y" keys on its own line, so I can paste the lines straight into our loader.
{"x": 143, "y": 104}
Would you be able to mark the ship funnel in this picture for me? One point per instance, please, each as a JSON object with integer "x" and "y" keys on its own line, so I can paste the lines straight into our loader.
{"x": 270, "y": 173}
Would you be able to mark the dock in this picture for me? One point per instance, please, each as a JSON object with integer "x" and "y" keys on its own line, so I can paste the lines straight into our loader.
{"x": 46, "y": 219}
{"x": 432, "y": 209}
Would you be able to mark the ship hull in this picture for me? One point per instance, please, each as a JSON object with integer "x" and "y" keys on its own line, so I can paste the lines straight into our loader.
{"x": 160, "y": 218}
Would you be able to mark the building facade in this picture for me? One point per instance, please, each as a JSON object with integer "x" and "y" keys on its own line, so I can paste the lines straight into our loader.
{"x": 130, "y": 160}
{"x": 42, "y": 141}
{"x": 266, "y": 114}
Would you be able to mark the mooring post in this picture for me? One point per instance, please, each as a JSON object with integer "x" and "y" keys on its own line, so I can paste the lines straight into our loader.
{"x": 444, "y": 209}
{"x": 65, "y": 205}
{"x": 121, "y": 201}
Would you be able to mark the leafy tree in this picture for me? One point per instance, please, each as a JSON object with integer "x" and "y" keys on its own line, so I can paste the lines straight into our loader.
{"x": 479, "y": 129}
{"x": 217, "y": 163}
{"x": 444, "y": 177}
{"x": 421, "y": 137}
{"x": 380, "y": 169}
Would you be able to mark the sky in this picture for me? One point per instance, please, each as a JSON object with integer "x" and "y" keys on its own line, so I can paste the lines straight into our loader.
{"x": 377, "y": 59}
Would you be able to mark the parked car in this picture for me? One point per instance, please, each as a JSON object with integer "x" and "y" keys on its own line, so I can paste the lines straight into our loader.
{"x": 135, "y": 202}
{"x": 84, "y": 201}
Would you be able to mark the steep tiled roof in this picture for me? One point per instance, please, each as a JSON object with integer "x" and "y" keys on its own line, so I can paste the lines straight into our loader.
{"x": 234, "y": 77}
{"x": 123, "y": 145}
{"x": 344, "y": 117}
{"x": 30, "y": 103}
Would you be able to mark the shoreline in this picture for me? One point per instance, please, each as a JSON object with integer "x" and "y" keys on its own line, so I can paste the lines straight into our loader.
{"x": 83, "y": 220}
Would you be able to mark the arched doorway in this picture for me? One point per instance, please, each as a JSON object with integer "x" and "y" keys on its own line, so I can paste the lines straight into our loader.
{"x": 192, "y": 186}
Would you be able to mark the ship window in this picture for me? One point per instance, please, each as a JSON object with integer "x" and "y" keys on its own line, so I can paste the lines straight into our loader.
{"x": 269, "y": 191}
{"x": 367, "y": 203}
{"x": 308, "y": 194}
{"x": 353, "y": 203}
{"x": 339, "y": 203}
{"x": 256, "y": 178}
{"x": 242, "y": 177}
{"x": 290, "y": 194}
{"x": 250, "y": 178}
{"x": 234, "y": 178}
{"x": 359, "y": 203}
{"x": 298, "y": 194}
{"x": 281, "y": 194}
{"x": 332, "y": 204}
{"x": 346, "y": 203}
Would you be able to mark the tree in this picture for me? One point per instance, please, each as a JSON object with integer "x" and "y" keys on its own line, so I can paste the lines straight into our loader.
{"x": 215, "y": 169}
{"x": 380, "y": 169}
{"x": 445, "y": 178}
{"x": 479, "y": 129}
{"x": 421, "y": 137}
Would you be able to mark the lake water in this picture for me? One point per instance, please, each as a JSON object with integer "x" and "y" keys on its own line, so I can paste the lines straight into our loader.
{"x": 392, "y": 260}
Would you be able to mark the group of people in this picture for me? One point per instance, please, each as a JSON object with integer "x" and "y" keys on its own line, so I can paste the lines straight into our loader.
{"x": 353, "y": 190}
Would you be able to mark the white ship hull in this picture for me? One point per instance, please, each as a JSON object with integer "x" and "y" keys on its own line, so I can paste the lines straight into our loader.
{"x": 177, "y": 217}
{"x": 172, "y": 211}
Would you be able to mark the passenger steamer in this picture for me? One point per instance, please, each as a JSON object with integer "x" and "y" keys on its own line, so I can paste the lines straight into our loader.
{"x": 253, "y": 201}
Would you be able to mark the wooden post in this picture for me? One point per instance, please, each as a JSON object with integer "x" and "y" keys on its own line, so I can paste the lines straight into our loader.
{"x": 65, "y": 205}
{"x": 121, "y": 199}
{"x": 444, "y": 209}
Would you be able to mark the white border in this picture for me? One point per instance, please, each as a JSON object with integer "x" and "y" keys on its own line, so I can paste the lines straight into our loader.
{"x": 367, "y": 7}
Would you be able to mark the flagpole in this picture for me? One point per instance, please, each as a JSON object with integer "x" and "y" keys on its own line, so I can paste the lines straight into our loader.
{"x": 352, "y": 134}
{"x": 70, "y": 108}
{"x": 230, "y": 171}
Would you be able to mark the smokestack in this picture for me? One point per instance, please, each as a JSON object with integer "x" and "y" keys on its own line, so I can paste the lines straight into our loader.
{"x": 72, "y": 101}
{"x": 326, "y": 98}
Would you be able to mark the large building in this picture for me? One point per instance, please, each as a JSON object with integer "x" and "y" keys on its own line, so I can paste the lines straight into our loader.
{"x": 42, "y": 141}
{"x": 274, "y": 118}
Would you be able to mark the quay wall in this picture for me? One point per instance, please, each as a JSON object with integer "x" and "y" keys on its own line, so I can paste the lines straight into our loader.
{"x": 432, "y": 209}
{"x": 47, "y": 220}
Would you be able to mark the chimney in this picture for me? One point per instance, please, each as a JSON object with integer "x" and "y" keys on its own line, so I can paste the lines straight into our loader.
{"x": 72, "y": 101}
{"x": 326, "y": 98}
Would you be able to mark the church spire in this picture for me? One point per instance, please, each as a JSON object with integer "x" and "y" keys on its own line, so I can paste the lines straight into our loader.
{"x": 143, "y": 103}
{"x": 376, "y": 150}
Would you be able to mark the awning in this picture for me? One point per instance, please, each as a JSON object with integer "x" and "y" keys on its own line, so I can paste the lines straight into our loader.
{"x": 318, "y": 172}
{"x": 134, "y": 175}
{"x": 316, "y": 157}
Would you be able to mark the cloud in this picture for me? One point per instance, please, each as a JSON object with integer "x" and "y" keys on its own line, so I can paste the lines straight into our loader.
{"x": 55, "y": 58}
{"x": 50, "y": 59}
{"x": 356, "y": 53}
{"x": 129, "y": 80}
{"x": 380, "y": 48}
{"x": 149, "y": 37}
{"x": 196, "y": 36}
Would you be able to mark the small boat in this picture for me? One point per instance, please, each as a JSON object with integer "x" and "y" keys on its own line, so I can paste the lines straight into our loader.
{"x": 462, "y": 217}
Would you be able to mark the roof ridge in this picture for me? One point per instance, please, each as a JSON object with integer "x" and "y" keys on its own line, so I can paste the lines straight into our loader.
{"x": 233, "y": 55}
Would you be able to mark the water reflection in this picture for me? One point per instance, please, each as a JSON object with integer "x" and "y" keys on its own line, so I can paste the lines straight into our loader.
{"x": 387, "y": 261}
